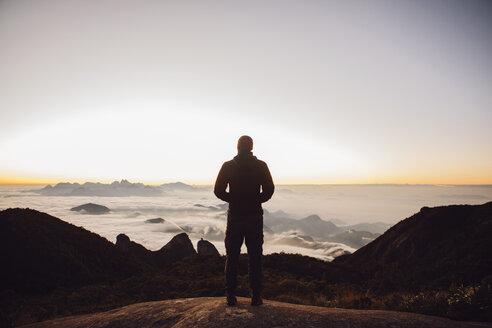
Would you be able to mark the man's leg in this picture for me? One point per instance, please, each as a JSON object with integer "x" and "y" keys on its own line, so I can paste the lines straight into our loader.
{"x": 233, "y": 242}
{"x": 254, "y": 243}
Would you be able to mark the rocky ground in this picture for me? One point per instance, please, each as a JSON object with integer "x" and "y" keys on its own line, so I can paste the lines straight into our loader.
{"x": 213, "y": 312}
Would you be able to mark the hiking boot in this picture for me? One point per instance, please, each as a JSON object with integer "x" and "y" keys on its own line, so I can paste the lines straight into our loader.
{"x": 231, "y": 300}
{"x": 256, "y": 300}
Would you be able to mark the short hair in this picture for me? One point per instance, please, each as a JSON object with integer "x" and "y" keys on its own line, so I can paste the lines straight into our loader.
{"x": 245, "y": 143}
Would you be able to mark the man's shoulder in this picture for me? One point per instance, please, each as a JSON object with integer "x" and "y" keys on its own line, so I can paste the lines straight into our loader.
{"x": 260, "y": 162}
{"x": 233, "y": 163}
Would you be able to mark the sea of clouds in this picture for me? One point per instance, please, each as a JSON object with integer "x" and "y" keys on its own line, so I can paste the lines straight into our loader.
{"x": 199, "y": 213}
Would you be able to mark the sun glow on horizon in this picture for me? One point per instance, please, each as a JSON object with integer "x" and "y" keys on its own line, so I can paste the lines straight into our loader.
{"x": 99, "y": 146}
{"x": 30, "y": 180}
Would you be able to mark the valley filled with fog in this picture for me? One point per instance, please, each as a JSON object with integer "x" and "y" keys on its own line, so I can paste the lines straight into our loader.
{"x": 320, "y": 221}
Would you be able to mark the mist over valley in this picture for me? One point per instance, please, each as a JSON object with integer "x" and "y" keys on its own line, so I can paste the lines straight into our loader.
{"x": 319, "y": 221}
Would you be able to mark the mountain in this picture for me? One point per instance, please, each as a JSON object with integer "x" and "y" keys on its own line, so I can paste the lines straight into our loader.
{"x": 324, "y": 232}
{"x": 176, "y": 186}
{"x": 122, "y": 188}
{"x": 177, "y": 248}
{"x": 312, "y": 225}
{"x": 280, "y": 214}
{"x": 433, "y": 248}
{"x": 326, "y": 250}
{"x": 213, "y": 208}
{"x": 372, "y": 227}
{"x": 353, "y": 238}
{"x": 91, "y": 208}
{"x": 213, "y": 312}
{"x": 39, "y": 252}
{"x": 204, "y": 247}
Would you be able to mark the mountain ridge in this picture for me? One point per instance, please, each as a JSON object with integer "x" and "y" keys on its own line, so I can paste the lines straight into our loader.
{"x": 407, "y": 245}
{"x": 121, "y": 188}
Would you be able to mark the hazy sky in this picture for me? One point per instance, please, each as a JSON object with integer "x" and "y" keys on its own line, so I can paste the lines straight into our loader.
{"x": 331, "y": 91}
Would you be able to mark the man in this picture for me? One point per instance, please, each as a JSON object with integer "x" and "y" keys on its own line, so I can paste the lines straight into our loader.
{"x": 250, "y": 185}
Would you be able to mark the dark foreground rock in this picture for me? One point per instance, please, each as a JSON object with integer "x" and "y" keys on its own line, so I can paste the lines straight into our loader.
{"x": 213, "y": 312}
{"x": 177, "y": 248}
{"x": 435, "y": 247}
{"x": 204, "y": 247}
{"x": 40, "y": 253}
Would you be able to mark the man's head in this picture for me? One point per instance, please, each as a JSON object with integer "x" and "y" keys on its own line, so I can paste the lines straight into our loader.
{"x": 245, "y": 143}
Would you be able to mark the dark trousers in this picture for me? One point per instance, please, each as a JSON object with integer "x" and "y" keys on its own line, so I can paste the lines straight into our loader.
{"x": 249, "y": 229}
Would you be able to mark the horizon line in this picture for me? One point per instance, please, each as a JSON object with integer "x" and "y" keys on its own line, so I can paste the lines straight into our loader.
{"x": 7, "y": 183}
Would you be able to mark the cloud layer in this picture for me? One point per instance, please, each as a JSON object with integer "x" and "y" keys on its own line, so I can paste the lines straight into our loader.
{"x": 197, "y": 212}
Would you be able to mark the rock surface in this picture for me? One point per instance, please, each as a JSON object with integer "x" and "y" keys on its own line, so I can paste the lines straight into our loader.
{"x": 204, "y": 247}
{"x": 177, "y": 248}
{"x": 213, "y": 312}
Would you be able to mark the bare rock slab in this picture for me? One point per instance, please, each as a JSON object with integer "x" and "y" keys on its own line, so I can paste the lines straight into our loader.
{"x": 213, "y": 312}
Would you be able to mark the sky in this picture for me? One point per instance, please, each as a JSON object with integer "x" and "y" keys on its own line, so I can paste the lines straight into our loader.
{"x": 331, "y": 91}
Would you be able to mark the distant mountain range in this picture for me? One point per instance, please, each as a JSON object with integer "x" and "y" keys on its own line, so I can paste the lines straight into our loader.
{"x": 55, "y": 268}
{"x": 122, "y": 188}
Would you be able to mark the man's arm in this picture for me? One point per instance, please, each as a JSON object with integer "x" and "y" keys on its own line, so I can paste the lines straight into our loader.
{"x": 267, "y": 186}
{"x": 221, "y": 185}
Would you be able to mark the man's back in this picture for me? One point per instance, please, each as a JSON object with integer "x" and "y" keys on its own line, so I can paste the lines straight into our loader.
{"x": 250, "y": 184}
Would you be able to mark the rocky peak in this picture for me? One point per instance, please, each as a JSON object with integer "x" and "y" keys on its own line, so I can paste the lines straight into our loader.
{"x": 123, "y": 241}
{"x": 204, "y": 247}
{"x": 177, "y": 248}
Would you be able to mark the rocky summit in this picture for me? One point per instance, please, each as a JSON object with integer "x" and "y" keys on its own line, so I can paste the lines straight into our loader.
{"x": 213, "y": 312}
{"x": 177, "y": 248}
{"x": 204, "y": 247}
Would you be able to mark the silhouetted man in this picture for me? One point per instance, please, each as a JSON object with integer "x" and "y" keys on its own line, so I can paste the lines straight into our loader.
{"x": 250, "y": 184}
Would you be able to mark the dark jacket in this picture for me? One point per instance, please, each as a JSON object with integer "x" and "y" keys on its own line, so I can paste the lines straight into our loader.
{"x": 250, "y": 184}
